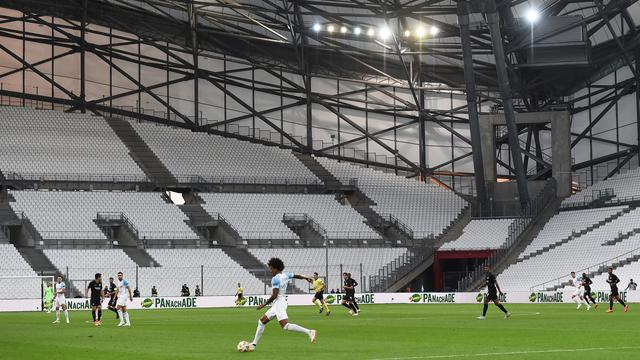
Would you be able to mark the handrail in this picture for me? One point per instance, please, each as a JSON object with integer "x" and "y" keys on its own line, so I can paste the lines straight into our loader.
{"x": 517, "y": 227}
{"x": 308, "y": 220}
{"x": 596, "y": 266}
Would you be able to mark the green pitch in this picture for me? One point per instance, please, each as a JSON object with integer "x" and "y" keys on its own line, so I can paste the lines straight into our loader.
{"x": 401, "y": 332}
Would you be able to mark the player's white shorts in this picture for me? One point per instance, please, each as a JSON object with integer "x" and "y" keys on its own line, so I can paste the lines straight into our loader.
{"x": 59, "y": 300}
{"x": 122, "y": 301}
{"x": 278, "y": 310}
{"x": 578, "y": 292}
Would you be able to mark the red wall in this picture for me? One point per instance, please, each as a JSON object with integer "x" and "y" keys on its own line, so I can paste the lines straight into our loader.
{"x": 444, "y": 255}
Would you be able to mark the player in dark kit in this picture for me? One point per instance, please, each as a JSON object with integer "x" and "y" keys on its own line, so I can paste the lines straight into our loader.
{"x": 113, "y": 298}
{"x": 586, "y": 282}
{"x": 492, "y": 295}
{"x": 96, "y": 299}
{"x": 613, "y": 282}
{"x": 349, "y": 298}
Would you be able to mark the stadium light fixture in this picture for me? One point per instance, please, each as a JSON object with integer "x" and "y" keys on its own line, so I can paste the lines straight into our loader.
{"x": 385, "y": 32}
{"x": 371, "y": 32}
{"x": 317, "y": 27}
{"x": 532, "y": 15}
{"x": 420, "y": 32}
{"x": 331, "y": 28}
{"x": 407, "y": 33}
{"x": 357, "y": 31}
{"x": 343, "y": 29}
{"x": 434, "y": 30}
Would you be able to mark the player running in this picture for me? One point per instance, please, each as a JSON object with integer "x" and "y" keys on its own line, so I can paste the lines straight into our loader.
{"x": 349, "y": 298}
{"x": 279, "y": 284}
{"x": 586, "y": 282}
{"x": 113, "y": 297}
{"x": 578, "y": 292}
{"x": 318, "y": 298}
{"x": 97, "y": 297}
{"x": 613, "y": 282}
{"x": 492, "y": 295}
{"x": 60, "y": 301}
{"x": 239, "y": 294}
{"x": 123, "y": 289}
{"x": 48, "y": 298}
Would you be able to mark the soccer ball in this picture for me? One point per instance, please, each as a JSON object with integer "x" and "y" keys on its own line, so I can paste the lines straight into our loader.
{"x": 244, "y": 346}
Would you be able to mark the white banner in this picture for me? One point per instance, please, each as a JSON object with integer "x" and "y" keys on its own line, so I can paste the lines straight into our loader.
{"x": 332, "y": 299}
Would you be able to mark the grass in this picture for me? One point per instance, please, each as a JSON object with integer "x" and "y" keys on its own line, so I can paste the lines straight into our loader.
{"x": 553, "y": 331}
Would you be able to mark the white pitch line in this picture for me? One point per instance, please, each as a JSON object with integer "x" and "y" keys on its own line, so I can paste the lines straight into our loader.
{"x": 508, "y": 353}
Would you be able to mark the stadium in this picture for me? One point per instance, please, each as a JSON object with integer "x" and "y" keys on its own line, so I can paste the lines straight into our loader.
{"x": 370, "y": 179}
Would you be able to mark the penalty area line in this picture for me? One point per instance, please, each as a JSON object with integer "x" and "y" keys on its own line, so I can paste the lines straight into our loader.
{"x": 509, "y": 353}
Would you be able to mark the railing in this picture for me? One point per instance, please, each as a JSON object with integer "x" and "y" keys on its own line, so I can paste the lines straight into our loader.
{"x": 398, "y": 224}
{"x": 256, "y": 180}
{"x": 111, "y": 178}
{"x": 599, "y": 267}
{"x": 121, "y": 218}
{"x": 398, "y": 268}
{"x": 517, "y": 227}
{"x": 613, "y": 202}
{"x": 307, "y": 220}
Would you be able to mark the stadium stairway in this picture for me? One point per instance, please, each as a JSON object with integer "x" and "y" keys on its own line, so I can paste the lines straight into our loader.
{"x": 306, "y": 228}
{"x": 140, "y": 256}
{"x": 621, "y": 237}
{"x": 141, "y": 153}
{"x": 245, "y": 259}
{"x": 331, "y": 182}
{"x": 211, "y": 230}
{"x": 576, "y": 235}
{"x": 402, "y": 276}
{"x": 389, "y": 230}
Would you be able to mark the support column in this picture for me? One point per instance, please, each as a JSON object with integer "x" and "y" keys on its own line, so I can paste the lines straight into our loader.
{"x": 472, "y": 106}
{"x": 83, "y": 26}
{"x": 194, "y": 47}
{"x": 493, "y": 20}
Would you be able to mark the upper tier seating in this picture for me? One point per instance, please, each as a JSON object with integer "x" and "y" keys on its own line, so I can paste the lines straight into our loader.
{"x": 310, "y": 260}
{"x": 582, "y": 252}
{"x": 187, "y": 153}
{"x": 624, "y": 185}
{"x": 71, "y": 214}
{"x": 38, "y": 142}
{"x": 259, "y": 216}
{"x": 481, "y": 234}
{"x": 563, "y": 224}
{"x": 13, "y": 264}
{"x": 624, "y": 273}
{"x": 183, "y": 266}
{"x": 426, "y": 208}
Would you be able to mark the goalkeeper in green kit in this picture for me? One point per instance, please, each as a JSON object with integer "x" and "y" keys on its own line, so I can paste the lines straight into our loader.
{"x": 48, "y": 298}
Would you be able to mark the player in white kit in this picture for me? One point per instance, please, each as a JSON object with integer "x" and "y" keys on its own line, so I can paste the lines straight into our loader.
{"x": 578, "y": 293}
{"x": 122, "y": 290}
{"x": 59, "y": 300}
{"x": 279, "y": 284}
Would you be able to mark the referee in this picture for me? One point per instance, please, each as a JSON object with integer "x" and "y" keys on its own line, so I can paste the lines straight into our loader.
{"x": 318, "y": 298}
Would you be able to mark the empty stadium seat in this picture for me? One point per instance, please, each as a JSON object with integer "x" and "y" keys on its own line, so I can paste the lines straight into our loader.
{"x": 481, "y": 234}
{"x": 187, "y": 153}
{"x": 13, "y": 264}
{"x": 624, "y": 185}
{"x": 35, "y": 143}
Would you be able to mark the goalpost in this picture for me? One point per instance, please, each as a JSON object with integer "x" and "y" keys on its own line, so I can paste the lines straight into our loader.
{"x": 26, "y": 287}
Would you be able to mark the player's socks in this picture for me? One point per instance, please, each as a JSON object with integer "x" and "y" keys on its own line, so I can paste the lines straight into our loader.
{"x": 259, "y": 332}
{"x": 126, "y": 318}
{"x": 347, "y": 306}
{"x": 100, "y": 315}
{"x": 355, "y": 304}
{"x": 296, "y": 328}
{"x": 93, "y": 315}
{"x": 353, "y": 307}
{"x": 485, "y": 307}
{"x": 57, "y": 315}
{"x": 501, "y": 307}
{"x": 66, "y": 315}
{"x": 120, "y": 316}
{"x": 611, "y": 304}
{"x": 622, "y": 302}
{"x": 326, "y": 307}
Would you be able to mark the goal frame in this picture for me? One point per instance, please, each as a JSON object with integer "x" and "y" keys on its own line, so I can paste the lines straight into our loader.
{"x": 43, "y": 280}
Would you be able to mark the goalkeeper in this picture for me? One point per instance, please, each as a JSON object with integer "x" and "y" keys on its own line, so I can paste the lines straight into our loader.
{"x": 48, "y": 298}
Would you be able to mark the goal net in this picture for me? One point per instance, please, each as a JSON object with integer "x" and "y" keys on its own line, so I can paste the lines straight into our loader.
{"x": 25, "y": 287}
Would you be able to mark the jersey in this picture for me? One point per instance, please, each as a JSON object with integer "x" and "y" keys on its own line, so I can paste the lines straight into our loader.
{"x": 122, "y": 288}
{"x": 96, "y": 290}
{"x": 318, "y": 285}
{"x": 281, "y": 282}
{"x": 351, "y": 282}
{"x": 112, "y": 289}
{"x": 613, "y": 281}
{"x": 491, "y": 283}
{"x": 240, "y": 291}
{"x": 48, "y": 293}
{"x": 578, "y": 281}
{"x": 587, "y": 282}
{"x": 60, "y": 288}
